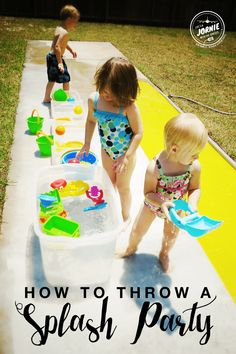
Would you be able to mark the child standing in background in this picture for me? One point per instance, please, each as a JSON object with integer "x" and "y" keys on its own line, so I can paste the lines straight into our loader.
{"x": 172, "y": 174}
{"x": 56, "y": 67}
{"x": 119, "y": 124}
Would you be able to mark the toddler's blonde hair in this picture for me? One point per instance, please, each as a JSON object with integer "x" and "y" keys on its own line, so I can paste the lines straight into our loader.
{"x": 185, "y": 130}
{"x": 69, "y": 11}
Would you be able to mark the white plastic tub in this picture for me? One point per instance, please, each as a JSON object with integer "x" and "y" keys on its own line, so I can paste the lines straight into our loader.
{"x": 87, "y": 259}
{"x": 66, "y": 109}
{"x": 69, "y": 140}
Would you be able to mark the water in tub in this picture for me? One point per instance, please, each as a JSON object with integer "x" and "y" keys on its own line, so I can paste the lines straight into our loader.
{"x": 91, "y": 222}
{"x": 87, "y": 259}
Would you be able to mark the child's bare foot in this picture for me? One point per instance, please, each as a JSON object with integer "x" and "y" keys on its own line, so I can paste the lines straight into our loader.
{"x": 128, "y": 252}
{"x": 165, "y": 262}
{"x": 47, "y": 100}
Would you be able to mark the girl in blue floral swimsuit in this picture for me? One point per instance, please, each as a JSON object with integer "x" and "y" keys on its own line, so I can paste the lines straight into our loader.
{"x": 113, "y": 108}
{"x": 173, "y": 174}
{"x": 114, "y": 130}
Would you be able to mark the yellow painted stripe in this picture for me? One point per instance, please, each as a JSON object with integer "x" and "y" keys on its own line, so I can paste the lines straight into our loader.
{"x": 217, "y": 181}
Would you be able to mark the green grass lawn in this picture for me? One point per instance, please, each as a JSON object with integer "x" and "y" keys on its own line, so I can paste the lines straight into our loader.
{"x": 169, "y": 57}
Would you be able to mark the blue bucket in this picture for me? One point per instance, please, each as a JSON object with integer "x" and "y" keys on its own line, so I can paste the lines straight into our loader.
{"x": 90, "y": 158}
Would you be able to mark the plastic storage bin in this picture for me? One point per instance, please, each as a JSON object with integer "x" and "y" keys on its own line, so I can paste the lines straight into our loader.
{"x": 71, "y": 139}
{"x": 73, "y": 109}
{"x": 86, "y": 260}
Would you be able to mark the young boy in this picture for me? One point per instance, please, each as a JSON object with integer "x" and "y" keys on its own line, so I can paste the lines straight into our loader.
{"x": 56, "y": 67}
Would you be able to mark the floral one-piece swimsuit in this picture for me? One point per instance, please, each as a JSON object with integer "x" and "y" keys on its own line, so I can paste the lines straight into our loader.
{"x": 114, "y": 130}
{"x": 169, "y": 188}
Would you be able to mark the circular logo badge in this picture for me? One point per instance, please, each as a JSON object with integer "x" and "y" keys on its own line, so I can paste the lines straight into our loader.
{"x": 207, "y": 29}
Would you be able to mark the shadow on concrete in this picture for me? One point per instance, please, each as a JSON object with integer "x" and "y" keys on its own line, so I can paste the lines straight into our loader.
{"x": 35, "y": 265}
{"x": 49, "y": 107}
{"x": 27, "y": 132}
{"x": 36, "y": 276}
{"x": 142, "y": 271}
{"x": 38, "y": 155}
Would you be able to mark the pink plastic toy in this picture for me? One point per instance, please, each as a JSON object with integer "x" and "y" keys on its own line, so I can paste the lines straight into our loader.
{"x": 96, "y": 195}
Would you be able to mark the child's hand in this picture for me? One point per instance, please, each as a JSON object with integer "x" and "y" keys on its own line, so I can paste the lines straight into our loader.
{"x": 165, "y": 208}
{"x": 61, "y": 68}
{"x": 74, "y": 53}
{"x": 121, "y": 164}
{"x": 85, "y": 150}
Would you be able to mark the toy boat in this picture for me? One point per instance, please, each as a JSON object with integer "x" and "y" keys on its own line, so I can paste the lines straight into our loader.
{"x": 195, "y": 224}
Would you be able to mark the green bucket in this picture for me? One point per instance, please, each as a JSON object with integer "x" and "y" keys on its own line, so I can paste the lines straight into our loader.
{"x": 35, "y": 123}
{"x": 45, "y": 143}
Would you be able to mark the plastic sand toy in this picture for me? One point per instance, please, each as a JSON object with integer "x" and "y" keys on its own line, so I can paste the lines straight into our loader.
{"x": 195, "y": 224}
{"x": 74, "y": 160}
{"x": 71, "y": 99}
{"x": 86, "y": 159}
{"x": 96, "y": 207}
{"x": 53, "y": 208}
{"x": 96, "y": 195}
{"x": 68, "y": 145}
{"x": 60, "y": 95}
{"x": 35, "y": 123}
{"x": 67, "y": 119}
{"x": 47, "y": 200}
{"x": 60, "y": 130}
{"x": 58, "y": 183}
{"x": 74, "y": 188}
{"x": 58, "y": 226}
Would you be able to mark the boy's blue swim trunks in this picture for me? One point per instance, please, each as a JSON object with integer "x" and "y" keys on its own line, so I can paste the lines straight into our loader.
{"x": 54, "y": 74}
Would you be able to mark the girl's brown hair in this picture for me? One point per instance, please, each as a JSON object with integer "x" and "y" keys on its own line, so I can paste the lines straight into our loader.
{"x": 120, "y": 77}
{"x": 69, "y": 11}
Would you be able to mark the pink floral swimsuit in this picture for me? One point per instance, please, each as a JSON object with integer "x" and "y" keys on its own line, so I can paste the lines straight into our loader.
{"x": 169, "y": 188}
